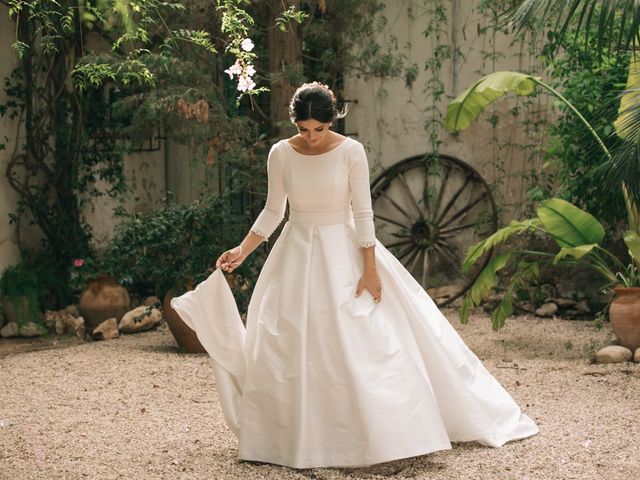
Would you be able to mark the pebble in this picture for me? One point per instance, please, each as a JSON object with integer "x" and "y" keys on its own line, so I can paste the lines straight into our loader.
{"x": 614, "y": 354}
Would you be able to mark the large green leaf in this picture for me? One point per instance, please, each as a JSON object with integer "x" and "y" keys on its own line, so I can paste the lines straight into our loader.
{"x": 500, "y": 236}
{"x": 632, "y": 239}
{"x": 568, "y": 225}
{"x": 466, "y": 107}
{"x": 483, "y": 284}
{"x": 576, "y": 252}
{"x": 525, "y": 272}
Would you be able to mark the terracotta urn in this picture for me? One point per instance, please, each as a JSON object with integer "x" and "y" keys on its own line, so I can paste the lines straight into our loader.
{"x": 185, "y": 337}
{"x": 624, "y": 314}
{"x": 103, "y": 298}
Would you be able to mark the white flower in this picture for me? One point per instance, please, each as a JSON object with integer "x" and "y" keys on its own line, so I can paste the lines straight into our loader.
{"x": 245, "y": 83}
{"x": 247, "y": 45}
{"x": 235, "y": 69}
{"x": 250, "y": 70}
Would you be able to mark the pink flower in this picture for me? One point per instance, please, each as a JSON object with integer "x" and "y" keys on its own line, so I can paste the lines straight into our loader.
{"x": 245, "y": 83}
{"x": 78, "y": 262}
{"x": 235, "y": 69}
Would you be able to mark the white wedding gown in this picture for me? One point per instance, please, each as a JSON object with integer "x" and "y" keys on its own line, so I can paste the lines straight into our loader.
{"x": 320, "y": 378}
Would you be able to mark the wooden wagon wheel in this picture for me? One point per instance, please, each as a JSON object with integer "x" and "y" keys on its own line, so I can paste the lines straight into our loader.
{"x": 428, "y": 210}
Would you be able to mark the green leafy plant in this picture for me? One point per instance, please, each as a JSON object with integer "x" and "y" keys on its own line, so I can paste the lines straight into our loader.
{"x": 579, "y": 237}
{"x": 175, "y": 247}
{"x": 578, "y": 234}
{"x": 19, "y": 291}
{"x": 81, "y": 271}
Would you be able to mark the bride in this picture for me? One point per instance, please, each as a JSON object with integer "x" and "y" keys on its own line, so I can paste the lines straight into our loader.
{"x": 345, "y": 360}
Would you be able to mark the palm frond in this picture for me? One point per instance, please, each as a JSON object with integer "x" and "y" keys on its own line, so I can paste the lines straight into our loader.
{"x": 614, "y": 23}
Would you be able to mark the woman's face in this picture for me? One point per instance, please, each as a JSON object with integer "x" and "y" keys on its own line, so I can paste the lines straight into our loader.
{"x": 312, "y": 131}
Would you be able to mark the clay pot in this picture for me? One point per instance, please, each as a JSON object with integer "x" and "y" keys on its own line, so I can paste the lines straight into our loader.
{"x": 102, "y": 298}
{"x": 185, "y": 337}
{"x": 624, "y": 314}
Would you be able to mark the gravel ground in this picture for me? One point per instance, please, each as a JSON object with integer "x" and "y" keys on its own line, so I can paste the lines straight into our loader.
{"x": 137, "y": 408}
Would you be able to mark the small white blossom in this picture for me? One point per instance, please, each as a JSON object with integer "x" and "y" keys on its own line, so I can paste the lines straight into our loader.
{"x": 247, "y": 45}
{"x": 250, "y": 70}
{"x": 235, "y": 69}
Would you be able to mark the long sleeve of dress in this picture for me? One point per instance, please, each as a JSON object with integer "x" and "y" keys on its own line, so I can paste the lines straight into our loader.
{"x": 273, "y": 211}
{"x": 361, "y": 196}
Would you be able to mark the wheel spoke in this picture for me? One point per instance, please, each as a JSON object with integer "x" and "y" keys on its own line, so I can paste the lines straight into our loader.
{"x": 388, "y": 220}
{"x": 405, "y": 185}
{"x": 444, "y": 233}
{"x": 464, "y": 210}
{"x": 397, "y": 244}
{"x": 395, "y": 204}
{"x": 425, "y": 268}
{"x": 413, "y": 260}
{"x": 400, "y": 235}
{"x": 425, "y": 191}
{"x": 453, "y": 199}
{"x": 444, "y": 253}
{"x": 443, "y": 184}
{"x": 404, "y": 253}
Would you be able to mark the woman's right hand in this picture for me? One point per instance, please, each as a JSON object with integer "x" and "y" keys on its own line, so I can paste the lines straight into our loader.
{"x": 230, "y": 259}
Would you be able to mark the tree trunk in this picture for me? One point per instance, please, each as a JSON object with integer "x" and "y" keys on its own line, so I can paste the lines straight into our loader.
{"x": 285, "y": 62}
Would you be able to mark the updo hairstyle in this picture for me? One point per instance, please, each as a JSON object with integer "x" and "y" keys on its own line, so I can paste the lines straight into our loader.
{"x": 315, "y": 101}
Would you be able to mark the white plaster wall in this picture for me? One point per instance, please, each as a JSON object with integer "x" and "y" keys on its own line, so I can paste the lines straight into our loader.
{"x": 9, "y": 234}
{"x": 145, "y": 174}
{"x": 389, "y": 118}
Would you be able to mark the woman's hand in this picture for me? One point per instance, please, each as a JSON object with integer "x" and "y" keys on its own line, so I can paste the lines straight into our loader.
{"x": 231, "y": 259}
{"x": 371, "y": 282}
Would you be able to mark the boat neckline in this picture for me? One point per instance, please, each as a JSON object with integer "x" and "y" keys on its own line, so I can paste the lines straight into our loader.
{"x": 316, "y": 154}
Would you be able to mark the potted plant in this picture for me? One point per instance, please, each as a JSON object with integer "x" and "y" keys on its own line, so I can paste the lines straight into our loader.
{"x": 174, "y": 248}
{"x": 579, "y": 237}
{"x": 100, "y": 295}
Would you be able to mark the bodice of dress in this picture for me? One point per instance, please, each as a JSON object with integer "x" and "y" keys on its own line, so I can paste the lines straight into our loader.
{"x": 331, "y": 187}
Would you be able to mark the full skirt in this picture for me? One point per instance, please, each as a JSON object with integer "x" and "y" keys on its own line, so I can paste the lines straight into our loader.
{"x": 322, "y": 378}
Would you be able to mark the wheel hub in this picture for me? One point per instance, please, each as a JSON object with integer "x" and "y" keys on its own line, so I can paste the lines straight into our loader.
{"x": 424, "y": 233}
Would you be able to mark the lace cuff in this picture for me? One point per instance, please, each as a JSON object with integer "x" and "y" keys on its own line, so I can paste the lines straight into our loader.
{"x": 260, "y": 233}
{"x": 368, "y": 243}
{"x": 260, "y": 226}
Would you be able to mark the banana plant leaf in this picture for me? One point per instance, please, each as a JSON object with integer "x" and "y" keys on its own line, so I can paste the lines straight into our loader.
{"x": 627, "y": 122}
{"x": 576, "y": 252}
{"x": 467, "y": 106}
{"x": 568, "y": 225}
{"x": 632, "y": 239}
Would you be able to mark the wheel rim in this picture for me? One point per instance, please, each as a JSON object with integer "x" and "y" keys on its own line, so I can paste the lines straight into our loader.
{"x": 428, "y": 210}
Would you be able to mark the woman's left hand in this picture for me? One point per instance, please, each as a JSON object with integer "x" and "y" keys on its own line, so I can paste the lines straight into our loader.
{"x": 371, "y": 281}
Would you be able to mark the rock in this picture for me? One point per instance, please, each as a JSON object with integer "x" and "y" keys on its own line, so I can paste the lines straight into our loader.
{"x": 152, "y": 301}
{"x": 613, "y": 354}
{"x": 106, "y": 330}
{"x": 582, "y": 307}
{"x": 140, "y": 319}
{"x": 636, "y": 356}
{"x": 75, "y": 325}
{"x": 50, "y": 319}
{"x": 9, "y": 330}
{"x": 564, "y": 302}
{"x": 547, "y": 309}
{"x": 32, "y": 329}
{"x": 72, "y": 310}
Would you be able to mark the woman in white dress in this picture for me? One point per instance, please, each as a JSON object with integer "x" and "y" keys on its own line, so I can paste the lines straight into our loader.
{"x": 345, "y": 360}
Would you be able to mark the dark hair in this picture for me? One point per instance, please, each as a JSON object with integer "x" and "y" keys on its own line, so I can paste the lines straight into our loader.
{"x": 314, "y": 101}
